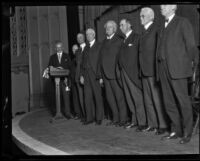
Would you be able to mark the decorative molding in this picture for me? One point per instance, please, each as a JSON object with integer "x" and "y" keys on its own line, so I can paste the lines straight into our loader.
{"x": 13, "y": 35}
{"x": 18, "y": 32}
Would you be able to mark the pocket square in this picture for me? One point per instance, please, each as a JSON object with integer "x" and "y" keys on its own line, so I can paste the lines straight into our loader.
{"x": 130, "y": 44}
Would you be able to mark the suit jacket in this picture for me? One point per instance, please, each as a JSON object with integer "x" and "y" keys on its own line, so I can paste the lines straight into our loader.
{"x": 176, "y": 42}
{"x": 90, "y": 58}
{"x": 128, "y": 58}
{"x": 147, "y": 51}
{"x": 66, "y": 62}
{"x": 79, "y": 57}
{"x": 107, "y": 62}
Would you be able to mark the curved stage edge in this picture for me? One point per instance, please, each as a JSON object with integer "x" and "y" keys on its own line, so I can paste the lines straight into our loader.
{"x": 28, "y": 144}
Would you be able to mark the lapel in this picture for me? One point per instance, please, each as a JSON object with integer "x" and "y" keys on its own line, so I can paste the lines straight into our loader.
{"x": 169, "y": 27}
{"x": 130, "y": 40}
{"x": 171, "y": 23}
{"x": 148, "y": 30}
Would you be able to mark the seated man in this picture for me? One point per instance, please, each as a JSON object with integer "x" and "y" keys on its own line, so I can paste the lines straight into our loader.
{"x": 61, "y": 60}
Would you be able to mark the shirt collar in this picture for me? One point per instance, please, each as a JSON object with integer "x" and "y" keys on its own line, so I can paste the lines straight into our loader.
{"x": 60, "y": 53}
{"x": 128, "y": 33}
{"x": 148, "y": 24}
{"x": 92, "y": 43}
{"x": 110, "y": 37}
{"x": 171, "y": 17}
{"x": 83, "y": 45}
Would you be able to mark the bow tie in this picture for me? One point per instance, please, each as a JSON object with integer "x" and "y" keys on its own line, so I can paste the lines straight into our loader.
{"x": 166, "y": 20}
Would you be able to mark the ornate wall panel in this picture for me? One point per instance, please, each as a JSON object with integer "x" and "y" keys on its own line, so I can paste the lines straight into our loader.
{"x": 19, "y": 61}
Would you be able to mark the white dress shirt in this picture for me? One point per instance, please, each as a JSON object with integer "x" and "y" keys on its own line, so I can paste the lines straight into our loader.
{"x": 92, "y": 43}
{"x": 147, "y": 25}
{"x": 169, "y": 19}
{"x": 82, "y": 46}
{"x": 128, "y": 33}
{"x": 110, "y": 37}
{"x": 59, "y": 56}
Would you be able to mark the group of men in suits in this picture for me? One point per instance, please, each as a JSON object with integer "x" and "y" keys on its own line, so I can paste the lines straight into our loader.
{"x": 144, "y": 77}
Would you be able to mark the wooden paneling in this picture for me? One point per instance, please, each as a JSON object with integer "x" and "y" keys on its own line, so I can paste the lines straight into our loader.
{"x": 46, "y": 25}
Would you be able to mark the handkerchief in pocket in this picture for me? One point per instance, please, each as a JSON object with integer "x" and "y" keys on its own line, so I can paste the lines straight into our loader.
{"x": 130, "y": 44}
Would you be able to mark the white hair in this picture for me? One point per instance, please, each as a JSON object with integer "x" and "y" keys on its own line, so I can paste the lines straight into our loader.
{"x": 113, "y": 24}
{"x": 148, "y": 11}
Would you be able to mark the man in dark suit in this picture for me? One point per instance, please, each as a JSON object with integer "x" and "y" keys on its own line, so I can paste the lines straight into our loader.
{"x": 92, "y": 90}
{"x": 106, "y": 73}
{"x": 156, "y": 116}
{"x": 175, "y": 54}
{"x": 74, "y": 90}
{"x": 61, "y": 60}
{"x": 129, "y": 64}
{"x": 79, "y": 56}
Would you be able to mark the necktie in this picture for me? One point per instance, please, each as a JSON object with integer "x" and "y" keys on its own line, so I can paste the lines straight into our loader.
{"x": 166, "y": 22}
{"x": 125, "y": 39}
{"x": 59, "y": 57}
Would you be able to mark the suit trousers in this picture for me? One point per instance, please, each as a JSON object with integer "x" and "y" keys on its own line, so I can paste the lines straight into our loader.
{"x": 93, "y": 97}
{"x": 134, "y": 98}
{"x": 177, "y": 102}
{"x": 75, "y": 98}
{"x": 156, "y": 115}
{"x": 66, "y": 97}
{"x": 79, "y": 89}
{"x": 116, "y": 100}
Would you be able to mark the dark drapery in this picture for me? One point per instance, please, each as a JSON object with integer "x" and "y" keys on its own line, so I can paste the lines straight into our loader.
{"x": 72, "y": 24}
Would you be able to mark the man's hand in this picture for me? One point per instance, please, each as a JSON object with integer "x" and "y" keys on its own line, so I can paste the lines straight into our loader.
{"x": 46, "y": 73}
{"x": 101, "y": 81}
{"x": 65, "y": 81}
{"x": 82, "y": 79}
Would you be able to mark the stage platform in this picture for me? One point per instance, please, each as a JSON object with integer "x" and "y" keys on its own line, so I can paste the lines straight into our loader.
{"x": 35, "y": 135}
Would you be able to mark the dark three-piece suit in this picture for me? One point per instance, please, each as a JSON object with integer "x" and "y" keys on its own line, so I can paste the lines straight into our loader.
{"x": 66, "y": 64}
{"x": 175, "y": 53}
{"x": 106, "y": 70}
{"x": 128, "y": 62}
{"x": 156, "y": 116}
{"x": 92, "y": 91}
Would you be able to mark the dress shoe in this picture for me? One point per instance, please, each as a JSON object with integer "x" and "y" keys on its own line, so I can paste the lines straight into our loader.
{"x": 130, "y": 126}
{"x": 83, "y": 119}
{"x": 140, "y": 128}
{"x": 111, "y": 123}
{"x": 87, "y": 122}
{"x": 69, "y": 117}
{"x": 160, "y": 131}
{"x": 149, "y": 128}
{"x": 172, "y": 135}
{"x": 185, "y": 139}
{"x": 122, "y": 124}
{"x": 76, "y": 118}
{"x": 99, "y": 122}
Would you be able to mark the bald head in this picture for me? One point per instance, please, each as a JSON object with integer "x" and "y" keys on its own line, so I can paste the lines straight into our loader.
{"x": 146, "y": 15}
{"x": 90, "y": 34}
